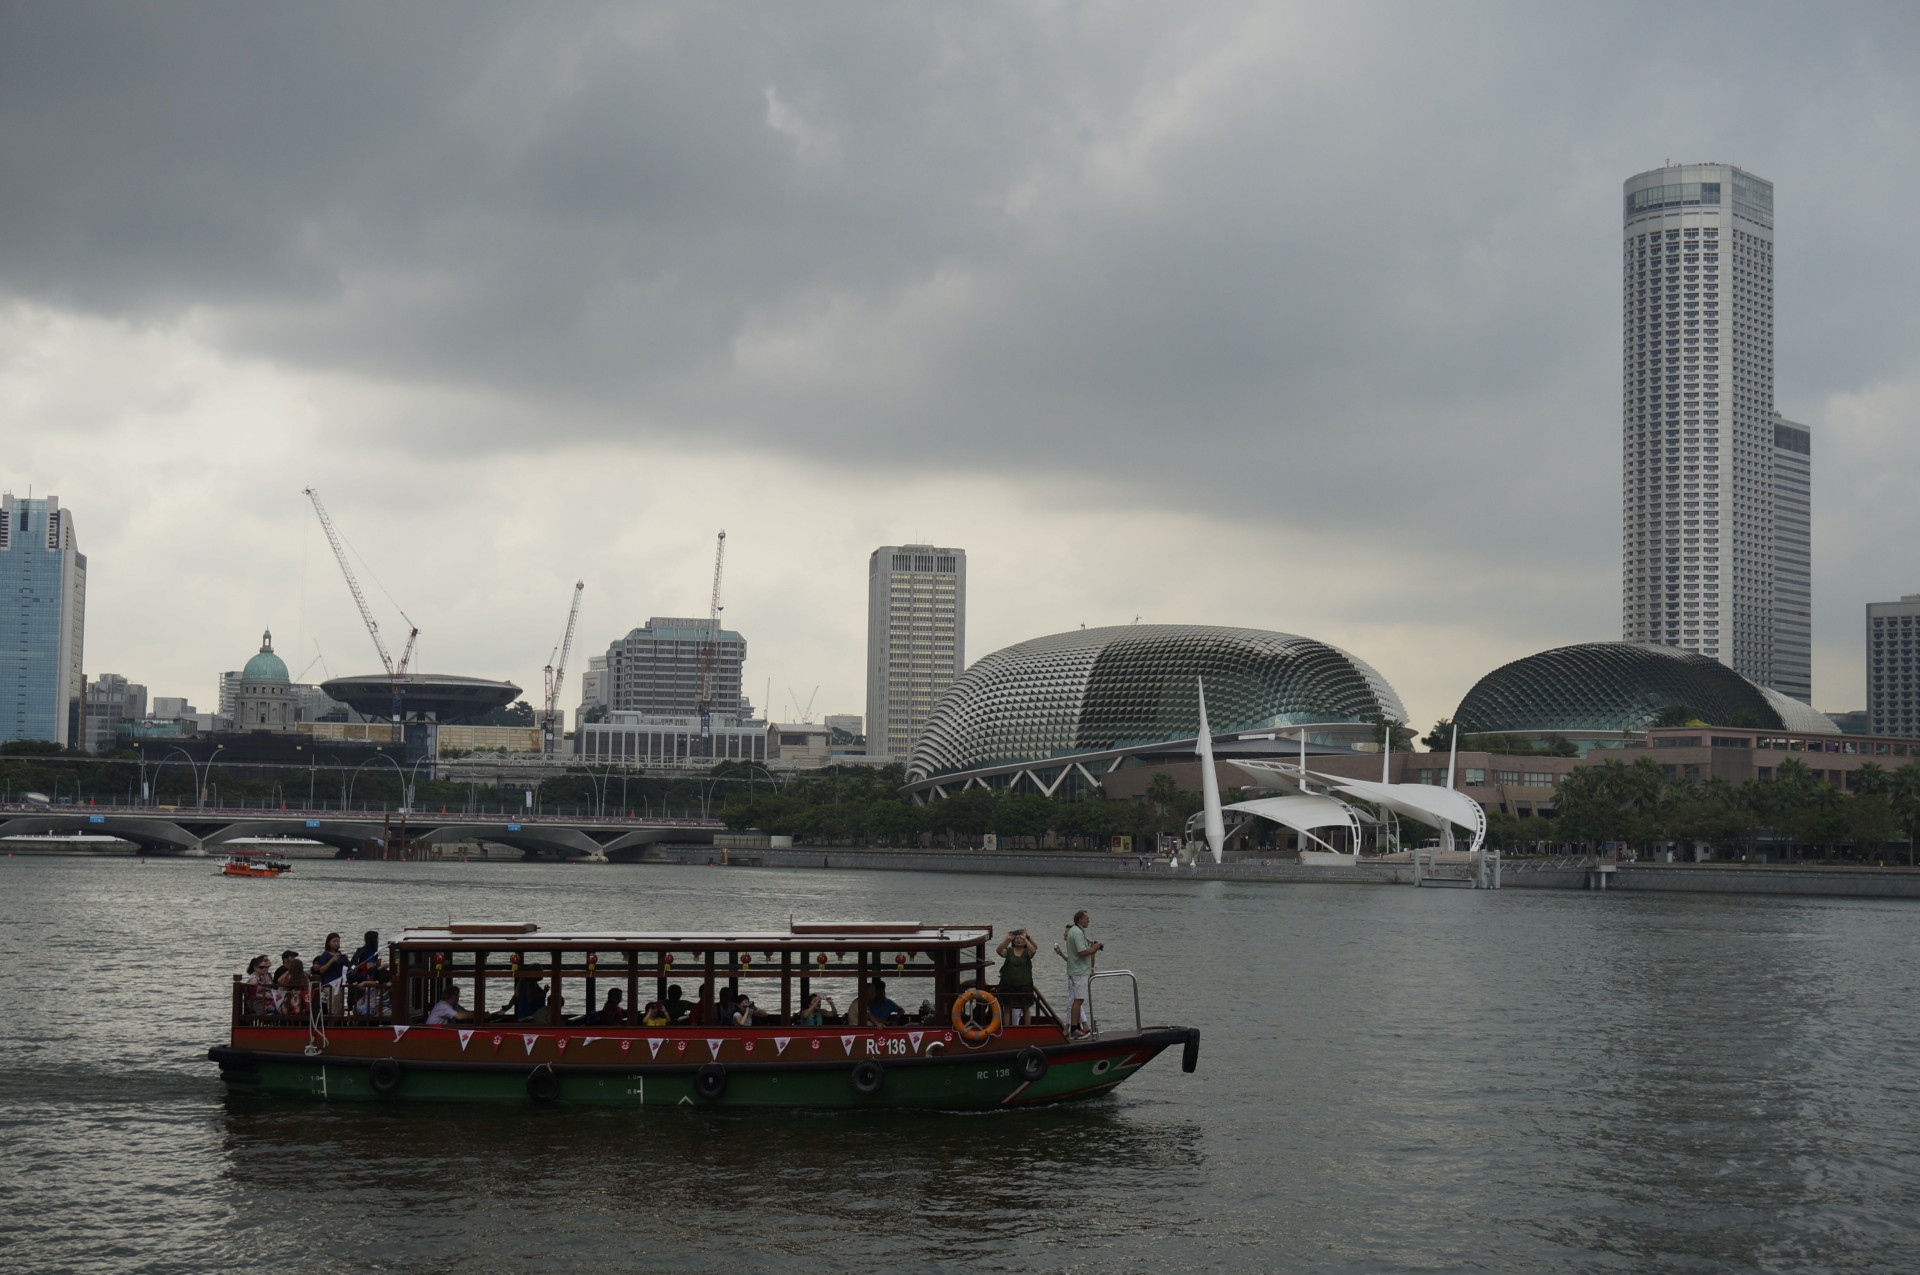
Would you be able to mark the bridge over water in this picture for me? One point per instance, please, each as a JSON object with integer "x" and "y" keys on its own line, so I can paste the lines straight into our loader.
{"x": 183, "y": 831}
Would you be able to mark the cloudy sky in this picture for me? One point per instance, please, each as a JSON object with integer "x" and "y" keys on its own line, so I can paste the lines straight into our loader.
{"x": 1295, "y": 317}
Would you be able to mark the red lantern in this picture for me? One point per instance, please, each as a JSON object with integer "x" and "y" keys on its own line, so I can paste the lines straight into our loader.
{"x": 900, "y": 963}
{"x": 822, "y": 960}
{"x": 746, "y": 960}
{"x": 666, "y": 962}
{"x": 593, "y": 963}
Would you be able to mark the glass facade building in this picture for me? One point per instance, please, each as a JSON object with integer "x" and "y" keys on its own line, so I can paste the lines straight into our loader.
{"x": 43, "y": 576}
{"x": 1624, "y": 687}
{"x": 1091, "y": 691}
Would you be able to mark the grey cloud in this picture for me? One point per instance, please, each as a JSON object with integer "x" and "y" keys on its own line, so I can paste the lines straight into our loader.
{"x": 1347, "y": 266}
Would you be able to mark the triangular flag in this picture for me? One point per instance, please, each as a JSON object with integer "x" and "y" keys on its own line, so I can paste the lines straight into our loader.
{"x": 560, "y": 1043}
{"x": 528, "y": 1039}
{"x": 625, "y": 1045}
{"x": 654, "y": 1047}
{"x": 780, "y": 1044}
{"x": 846, "y": 1043}
{"x": 497, "y": 1038}
{"x": 713, "y": 1046}
{"x": 464, "y": 1038}
{"x": 587, "y": 1040}
{"x": 915, "y": 1038}
{"x": 398, "y": 1032}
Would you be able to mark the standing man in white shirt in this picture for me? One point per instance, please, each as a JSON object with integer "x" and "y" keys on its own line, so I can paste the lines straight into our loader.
{"x": 1080, "y": 953}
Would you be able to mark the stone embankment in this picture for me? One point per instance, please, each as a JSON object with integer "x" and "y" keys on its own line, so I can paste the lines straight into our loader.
{"x": 1690, "y": 878}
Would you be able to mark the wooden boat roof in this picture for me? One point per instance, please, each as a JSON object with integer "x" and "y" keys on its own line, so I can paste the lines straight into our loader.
{"x": 810, "y": 936}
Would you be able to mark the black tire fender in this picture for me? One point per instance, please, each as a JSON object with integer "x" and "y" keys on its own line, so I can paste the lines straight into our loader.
{"x": 1190, "y": 1056}
{"x": 1031, "y": 1064}
{"x": 868, "y": 1076}
{"x": 542, "y": 1085}
{"x": 710, "y": 1082}
{"x": 384, "y": 1076}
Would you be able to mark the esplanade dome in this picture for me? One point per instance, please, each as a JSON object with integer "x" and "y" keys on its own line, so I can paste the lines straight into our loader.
{"x": 266, "y": 666}
{"x": 1625, "y": 687}
{"x": 1091, "y": 691}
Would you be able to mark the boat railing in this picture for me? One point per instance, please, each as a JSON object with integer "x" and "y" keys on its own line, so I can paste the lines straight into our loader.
{"x": 1094, "y": 979}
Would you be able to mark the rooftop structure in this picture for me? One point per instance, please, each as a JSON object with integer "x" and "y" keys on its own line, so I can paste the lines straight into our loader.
{"x": 443, "y": 697}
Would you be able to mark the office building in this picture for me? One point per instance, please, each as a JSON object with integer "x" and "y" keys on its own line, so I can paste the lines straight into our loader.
{"x": 43, "y": 576}
{"x": 229, "y": 693}
{"x": 593, "y": 691}
{"x": 659, "y": 669}
{"x": 111, "y": 700}
{"x": 1701, "y": 468}
{"x": 1893, "y": 666}
{"x": 916, "y": 640}
{"x": 1792, "y": 559}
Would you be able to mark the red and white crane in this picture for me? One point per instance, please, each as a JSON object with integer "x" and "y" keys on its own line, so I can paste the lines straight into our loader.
{"x": 556, "y": 674}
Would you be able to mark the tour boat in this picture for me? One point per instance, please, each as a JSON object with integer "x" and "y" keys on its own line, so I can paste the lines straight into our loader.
{"x": 254, "y": 863}
{"x": 516, "y": 1042}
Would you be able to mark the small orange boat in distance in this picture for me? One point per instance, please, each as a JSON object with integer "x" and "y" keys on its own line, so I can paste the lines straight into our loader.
{"x": 254, "y": 863}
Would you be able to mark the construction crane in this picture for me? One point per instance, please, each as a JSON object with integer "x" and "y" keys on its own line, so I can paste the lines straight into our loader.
{"x": 396, "y": 672}
{"x": 556, "y": 673}
{"x": 707, "y": 649}
{"x": 805, "y": 714}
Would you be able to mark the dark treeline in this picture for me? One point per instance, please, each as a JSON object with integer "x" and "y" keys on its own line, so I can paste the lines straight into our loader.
{"x": 1796, "y": 813}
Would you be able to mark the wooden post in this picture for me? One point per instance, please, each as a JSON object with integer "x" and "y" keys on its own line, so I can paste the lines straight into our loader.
{"x": 786, "y": 985}
{"x": 480, "y": 987}
{"x": 554, "y": 994}
{"x": 633, "y": 985}
{"x": 710, "y": 992}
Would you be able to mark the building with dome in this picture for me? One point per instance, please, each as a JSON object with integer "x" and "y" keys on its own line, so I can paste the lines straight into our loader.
{"x": 263, "y": 698}
{"x": 1057, "y": 714}
{"x": 1607, "y": 693}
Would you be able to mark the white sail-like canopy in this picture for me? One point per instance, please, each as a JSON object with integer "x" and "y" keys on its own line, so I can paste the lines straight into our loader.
{"x": 1303, "y": 814}
{"x": 1428, "y": 803}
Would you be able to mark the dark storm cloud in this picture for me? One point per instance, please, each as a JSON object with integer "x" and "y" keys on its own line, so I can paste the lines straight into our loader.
{"x": 1347, "y": 265}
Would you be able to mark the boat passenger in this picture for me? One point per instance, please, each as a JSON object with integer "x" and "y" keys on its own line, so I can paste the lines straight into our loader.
{"x": 447, "y": 1010}
{"x": 529, "y": 999}
{"x": 368, "y": 953}
{"x": 882, "y": 1010}
{"x": 293, "y": 983}
{"x": 657, "y": 1015}
{"x": 819, "y": 1012}
{"x": 702, "y": 1013}
{"x": 612, "y": 1012}
{"x": 678, "y": 1007}
{"x": 1016, "y": 953}
{"x": 281, "y": 969}
{"x": 742, "y": 1015}
{"x": 1080, "y": 953}
{"x": 261, "y": 997}
{"x": 329, "y": 970}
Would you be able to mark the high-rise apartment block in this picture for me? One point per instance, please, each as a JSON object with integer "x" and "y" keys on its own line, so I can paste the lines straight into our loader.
{"x": 916, "y": 640}
{"x": 43, "y": 577}
{"x": 1893, "y": 666}
{"x": 659, "y": 669}
{"x": 1714, "y": 490}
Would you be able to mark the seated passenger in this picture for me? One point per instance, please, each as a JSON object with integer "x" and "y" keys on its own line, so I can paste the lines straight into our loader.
{"x": 742, "y": 1015}
{"x": 881, "y": 1010}
{"x": 293, "y": 987}
{"x": 529, "y": 999}
{"x": 677, "y": 1006}
{"x": 611, "y": 1012}
{"x": 261, "y": 998}
{"x": 820, "y": 1009}
{"x": 702, "y": 1012}
{"x": 657, "y": 1015}
{"x": 365, "y": 958}
{"x": 446, "y": 1011}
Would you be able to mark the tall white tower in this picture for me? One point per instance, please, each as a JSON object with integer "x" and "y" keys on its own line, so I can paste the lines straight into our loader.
{"x": 916, "y": 640}
{"x": 1698, "y": 478}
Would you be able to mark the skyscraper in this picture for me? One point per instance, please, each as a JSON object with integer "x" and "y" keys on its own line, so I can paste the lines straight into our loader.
{"x": 1792, "y": 559}
{"x": 43, "y": 576}
{"x": 1701, "y": 467}
{"x": 916, "y": 640}
{"x": 1893, "y": 666}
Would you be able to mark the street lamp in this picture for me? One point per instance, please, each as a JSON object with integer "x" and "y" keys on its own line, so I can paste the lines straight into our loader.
{"x": 368, "y": 762}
